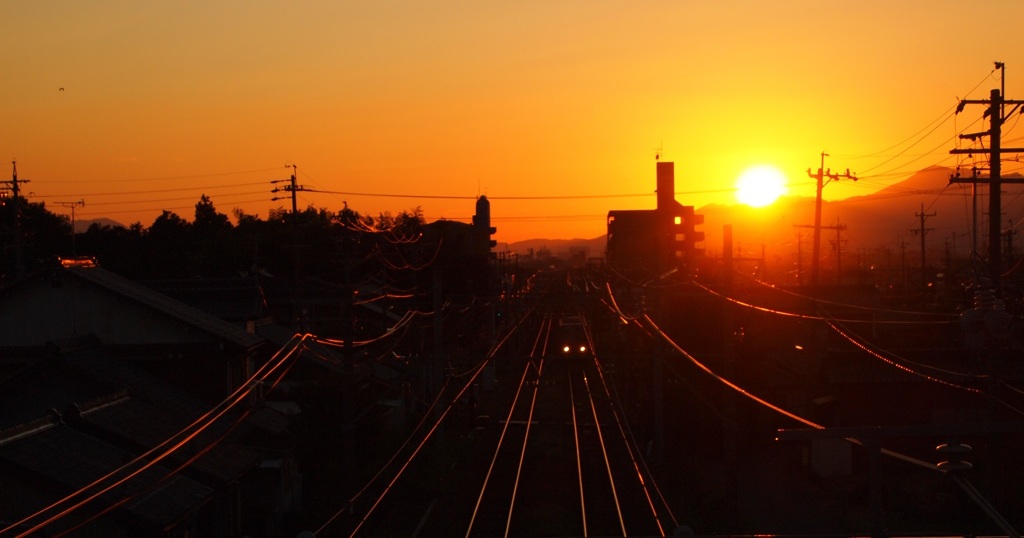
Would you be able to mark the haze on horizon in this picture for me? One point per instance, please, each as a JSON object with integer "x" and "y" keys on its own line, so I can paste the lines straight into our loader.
{"x": 554, "y": 110}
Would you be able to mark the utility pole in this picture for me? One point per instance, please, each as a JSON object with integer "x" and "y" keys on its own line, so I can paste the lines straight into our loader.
{"x": 290, "y": 186}
{"x": 72, "y": 205}
{"x": 1010, "y": 232}
{"x": 903, "y": 263}
{"x": 922, "y": 231}
{"x": 822, "y": 177}
{"x": 815, "y": 263}
{"x": 996, "y": 106}
{"x": 800, "y": 259}
{"x": 15, "y": 185}
{"x": 950, "y": 252}
{"x": 839, "y": 228}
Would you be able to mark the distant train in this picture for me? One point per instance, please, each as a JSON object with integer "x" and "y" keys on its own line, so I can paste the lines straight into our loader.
{"x": 570, "y": 337}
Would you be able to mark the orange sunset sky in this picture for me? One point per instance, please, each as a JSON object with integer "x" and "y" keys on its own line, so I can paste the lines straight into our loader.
{"x": 554, "y": 109}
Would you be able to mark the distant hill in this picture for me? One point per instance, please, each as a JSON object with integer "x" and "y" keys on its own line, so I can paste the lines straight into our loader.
{"x": 880, "y": 228}
{"x": 82, "y": 225}
{"x": 594, "y": 248}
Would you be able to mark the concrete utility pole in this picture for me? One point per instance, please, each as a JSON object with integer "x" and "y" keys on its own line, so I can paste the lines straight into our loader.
{"x": 922, "y": 231}
{"x": 15, "y": 185}
{"x": 996, "y": 116}
{"x": 1010, "y": 232}
{"x": 839, "y": 228}
{"x": 823, "y": 177}
{"x": 73, "y": 205}
{"x": 903, "y": 263}
{"x": 799, "y": 259}
{"x": 816, "y": 262}
{"x": 290, "y": 186}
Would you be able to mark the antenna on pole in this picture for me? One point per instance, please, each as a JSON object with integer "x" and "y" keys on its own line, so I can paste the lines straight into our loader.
{"x": 290, "y": 186}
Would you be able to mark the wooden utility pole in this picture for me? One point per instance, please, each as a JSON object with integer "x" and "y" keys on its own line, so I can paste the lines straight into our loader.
{"x": 822, "y": 177}
{"x": 922, "y": 231}
{"x": 995, "y": 113}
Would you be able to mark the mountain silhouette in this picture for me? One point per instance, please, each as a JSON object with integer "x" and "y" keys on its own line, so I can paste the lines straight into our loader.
{"x": 881, "y": 228}
{"x": 878, "y": 228}
{"x": 82, "y": 225}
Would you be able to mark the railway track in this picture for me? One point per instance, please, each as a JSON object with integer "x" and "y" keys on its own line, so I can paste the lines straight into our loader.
{"x": 563, "y": 464}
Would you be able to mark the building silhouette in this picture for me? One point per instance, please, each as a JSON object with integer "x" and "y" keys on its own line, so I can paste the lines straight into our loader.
{"x": 654, "y": 241}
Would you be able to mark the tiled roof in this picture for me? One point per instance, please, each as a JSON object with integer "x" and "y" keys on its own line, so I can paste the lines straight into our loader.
{"x": 234, "y": 299}
{"x": 65, "y": 456}
{"x": 175, "y": 309}
{"x": 122, "y": 374}
{"x": 149, "y": 426}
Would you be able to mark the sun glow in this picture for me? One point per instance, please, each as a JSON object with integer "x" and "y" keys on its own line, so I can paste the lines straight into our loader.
{"x": 760, "y": 185}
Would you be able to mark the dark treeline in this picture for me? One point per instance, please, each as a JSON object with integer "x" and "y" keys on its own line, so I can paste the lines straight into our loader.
{"x": 311, "y": 243}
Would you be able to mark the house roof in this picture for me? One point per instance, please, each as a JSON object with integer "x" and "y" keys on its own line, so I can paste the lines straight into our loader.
{"x": 146, "y": 425}
{"x": 89, "y": 358}
{"x": 233, "y": 299}
{"x": 170, "y": 307}
{"x": 45, "y": 383}
{"x": 58, "y": 454}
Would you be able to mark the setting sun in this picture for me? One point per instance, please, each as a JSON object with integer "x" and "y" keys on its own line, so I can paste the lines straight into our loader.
{"x": 760, "y": 185}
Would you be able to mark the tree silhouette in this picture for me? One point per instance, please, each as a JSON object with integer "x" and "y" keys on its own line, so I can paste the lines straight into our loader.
{"x": 315, "y": 243}
{"x": 44, "y": 235}
{"x": 208, "y": 220}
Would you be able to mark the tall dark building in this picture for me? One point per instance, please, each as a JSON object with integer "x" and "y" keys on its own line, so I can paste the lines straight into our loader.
{"x": 482, "y": 224}
{"x": 654, "y": 241}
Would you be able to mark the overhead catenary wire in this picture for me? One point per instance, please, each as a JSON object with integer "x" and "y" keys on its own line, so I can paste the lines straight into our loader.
{"x": 181, "y": 466}
{"x": 157, "y": 453}
{"x": 406, "y": 266}
{"x": 820, "y": 301}
{"x": 354, "y": 498}
{"x": 472, "y": 374}
{"x": 416, "y": 451}
{"x": 811, "y": 316}
{"x": 892, "y": 359}
{"x": 643, "y": 474}
{"x": 657, "y": 330}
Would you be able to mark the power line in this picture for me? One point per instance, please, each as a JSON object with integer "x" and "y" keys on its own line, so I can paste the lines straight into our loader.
{"x": 126, "y": 193}
{"x": 945, "y": 114}
{"x": 160, "y": 178}
{"x": 489, "y": 197}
